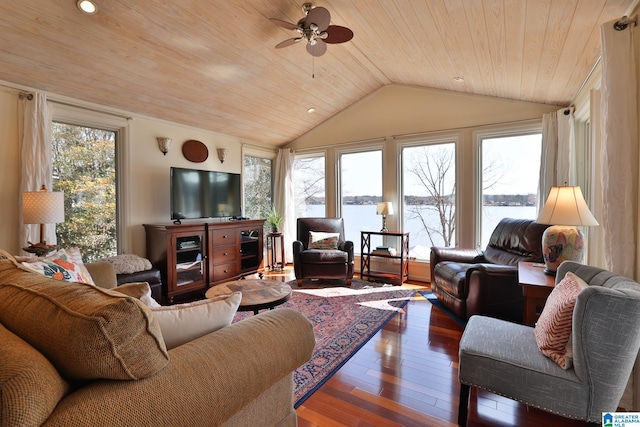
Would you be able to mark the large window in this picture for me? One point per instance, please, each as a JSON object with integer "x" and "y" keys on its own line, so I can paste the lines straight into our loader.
{"x": 309, "y": 186}
{"x": 510, "y": 175}
{"x": 429, "y": 196}
{"x": 360, "y": 191}
{"x": 84, "y": 168}
{"x": 257, "y": 181}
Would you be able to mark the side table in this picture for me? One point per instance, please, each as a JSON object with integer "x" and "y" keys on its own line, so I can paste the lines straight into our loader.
{"x": 275, "y": 241}
{"x": 536, "y": 287}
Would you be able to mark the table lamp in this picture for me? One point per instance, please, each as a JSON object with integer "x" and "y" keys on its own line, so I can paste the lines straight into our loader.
{"x": 565, "y": 209}
{"x": 42, "y": 207}
{"x": 384, "y": 209}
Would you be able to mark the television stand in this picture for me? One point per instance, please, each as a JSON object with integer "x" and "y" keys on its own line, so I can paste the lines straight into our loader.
{"x": 193, "y": 257}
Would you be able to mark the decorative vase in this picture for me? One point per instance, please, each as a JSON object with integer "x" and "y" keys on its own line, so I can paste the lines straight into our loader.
{"x": 561, "y": 243}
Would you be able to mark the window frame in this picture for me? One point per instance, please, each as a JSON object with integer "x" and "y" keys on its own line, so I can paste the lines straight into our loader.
{"x": 426, "y": 140}
{"x": 317, "y": 154}
{"x": 513, "y": 130}
{"x": 78, "y": 116}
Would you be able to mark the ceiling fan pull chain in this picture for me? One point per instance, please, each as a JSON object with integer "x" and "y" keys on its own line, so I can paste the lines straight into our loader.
{"x": 313, "y": 67}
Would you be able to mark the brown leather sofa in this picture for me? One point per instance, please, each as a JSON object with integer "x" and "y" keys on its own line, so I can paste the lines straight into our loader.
{"x": 322, "y": 263}
{"x": 471, "y": 281}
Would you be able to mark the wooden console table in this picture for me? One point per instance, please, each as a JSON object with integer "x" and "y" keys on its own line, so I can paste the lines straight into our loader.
{"x": 536, "y": 287}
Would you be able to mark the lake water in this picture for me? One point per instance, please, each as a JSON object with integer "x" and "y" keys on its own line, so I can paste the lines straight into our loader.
{"x": 359, "y": 218}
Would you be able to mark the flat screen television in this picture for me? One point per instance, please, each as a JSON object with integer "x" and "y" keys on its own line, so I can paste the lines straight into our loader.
{"x": 204, "y": 194}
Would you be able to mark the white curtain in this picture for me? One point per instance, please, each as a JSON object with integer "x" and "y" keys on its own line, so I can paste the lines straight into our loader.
{"x": 36, "y": 168}
{"x": 619, "y": 138}
{"x": 283, "y": 199}
{"x": 619, "y": 151}
{"x": 557, "y": 163}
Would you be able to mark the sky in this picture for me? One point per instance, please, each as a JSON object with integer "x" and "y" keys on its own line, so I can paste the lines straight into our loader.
{"x": 517, "y": 160}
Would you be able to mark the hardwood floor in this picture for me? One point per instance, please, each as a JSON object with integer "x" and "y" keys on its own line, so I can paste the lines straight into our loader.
{"x": 406, "y": 375}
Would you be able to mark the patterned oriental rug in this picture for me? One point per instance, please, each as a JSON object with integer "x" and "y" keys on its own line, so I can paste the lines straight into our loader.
{"x": 343, "y": 319}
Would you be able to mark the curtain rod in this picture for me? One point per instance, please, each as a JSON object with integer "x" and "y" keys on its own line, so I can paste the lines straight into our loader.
{"x": 624, "y": 22}
{"x": 29, "y": 96}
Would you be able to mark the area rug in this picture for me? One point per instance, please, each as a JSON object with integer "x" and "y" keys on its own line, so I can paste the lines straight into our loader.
{"x": 430, "y": 296}
{"x": 343, "y": 319}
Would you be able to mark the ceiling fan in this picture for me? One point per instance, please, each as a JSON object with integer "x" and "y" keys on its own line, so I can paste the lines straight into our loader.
{"x": 315, "y": 29}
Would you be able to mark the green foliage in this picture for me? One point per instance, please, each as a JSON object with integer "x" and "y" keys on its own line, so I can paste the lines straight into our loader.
{"x": 84, "y": 168}
{"x": 274, "y": 218}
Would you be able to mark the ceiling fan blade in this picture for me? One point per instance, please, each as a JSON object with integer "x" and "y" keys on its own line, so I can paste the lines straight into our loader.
{"x": 288, "y": 42}
{"x": 317, "y": 49}
{"x": 284, "y": 24}
{"x": 319, "y": 16}
{"x": 338, "y": 34}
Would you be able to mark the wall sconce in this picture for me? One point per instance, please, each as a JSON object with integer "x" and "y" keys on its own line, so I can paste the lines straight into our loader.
{"x": 164, "y": 144}
{"x": 42, "y": 207}
{"x": 222, "y": 154}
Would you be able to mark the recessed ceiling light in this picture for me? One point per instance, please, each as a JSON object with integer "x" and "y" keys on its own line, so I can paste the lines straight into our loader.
{"x": 87, "y": 6}
{"x": 458, "y": 79}
{"x": 311, "y": 110}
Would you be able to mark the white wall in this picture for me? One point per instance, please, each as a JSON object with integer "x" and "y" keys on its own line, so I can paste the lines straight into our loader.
{"x": 144, "y": 169}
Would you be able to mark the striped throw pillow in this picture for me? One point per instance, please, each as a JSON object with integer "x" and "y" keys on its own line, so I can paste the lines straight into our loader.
{"x": 553, "y": 329}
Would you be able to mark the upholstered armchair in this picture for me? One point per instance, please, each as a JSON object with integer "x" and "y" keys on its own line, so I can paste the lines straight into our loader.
{"x": 471, "y": 281}
{"x": 505, "y": 358}
{"x": 321, "y": 251}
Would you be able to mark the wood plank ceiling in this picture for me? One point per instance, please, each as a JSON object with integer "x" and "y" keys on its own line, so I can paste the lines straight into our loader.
{"x": 212, "y": 63}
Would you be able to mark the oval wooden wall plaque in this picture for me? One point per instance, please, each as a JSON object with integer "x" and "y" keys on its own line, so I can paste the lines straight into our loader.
{"x": 195, "y": 151}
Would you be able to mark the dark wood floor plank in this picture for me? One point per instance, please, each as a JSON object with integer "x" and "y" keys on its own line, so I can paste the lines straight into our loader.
{"x": 407, "y": 375}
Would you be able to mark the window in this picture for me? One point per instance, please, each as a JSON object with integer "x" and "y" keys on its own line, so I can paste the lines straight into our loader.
{"x": 309, "y": 182}
{"x": 84, "y": 168}
{"x": 510, "y": 175}
{"x": 360, "y": 191}
{"x": 257, "y": 181}
{"x": 429, "y": 196}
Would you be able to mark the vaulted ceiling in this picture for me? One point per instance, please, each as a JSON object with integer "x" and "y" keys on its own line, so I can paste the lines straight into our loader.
{"x": 212, "y": 63}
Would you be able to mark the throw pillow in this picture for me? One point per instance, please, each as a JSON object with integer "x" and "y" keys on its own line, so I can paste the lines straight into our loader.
{"x": 322, "y": 240}
{"x": 76, "y": 256}
{"x": 182, "y": 323}
{"x": 139, "y": 290}
{"x": 553, "y": 329}
{"x": 60, "y": 266}
{"x": 128, "y": 263}
{"x": 85, "y": 331}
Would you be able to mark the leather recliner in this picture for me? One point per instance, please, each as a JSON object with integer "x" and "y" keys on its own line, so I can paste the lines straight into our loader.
{"x": 322, "y": 263}
{"x": 471, "y": 281}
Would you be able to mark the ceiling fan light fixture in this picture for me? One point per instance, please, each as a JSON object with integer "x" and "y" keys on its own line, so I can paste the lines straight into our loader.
{"x": 458, "y": 79}
{"x": 311, "y": 110}
{"x": 87, "y": 6}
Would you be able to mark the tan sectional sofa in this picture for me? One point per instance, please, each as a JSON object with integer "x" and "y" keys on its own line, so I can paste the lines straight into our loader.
{"x": 76, "y": 355}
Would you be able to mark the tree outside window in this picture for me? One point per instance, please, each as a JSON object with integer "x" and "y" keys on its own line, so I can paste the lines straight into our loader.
{"x": 257, "y": 181}
{"x": 84, "y": 168}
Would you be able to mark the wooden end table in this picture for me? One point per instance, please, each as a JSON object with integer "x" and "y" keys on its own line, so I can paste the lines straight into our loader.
{"x": 536, "y": 287}
{"x": 256, "y": 294}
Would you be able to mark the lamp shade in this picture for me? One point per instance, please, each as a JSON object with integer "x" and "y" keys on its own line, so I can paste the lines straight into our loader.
{"x": 43, "y": 207}
{"x": 384, "y": 208}
{"x": 566, "y": 206}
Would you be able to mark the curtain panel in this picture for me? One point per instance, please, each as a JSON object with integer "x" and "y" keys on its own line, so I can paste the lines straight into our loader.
{"x": 619, "y": 166}
{"x": 284, "y": 198}
{"x": 36, "y": 167}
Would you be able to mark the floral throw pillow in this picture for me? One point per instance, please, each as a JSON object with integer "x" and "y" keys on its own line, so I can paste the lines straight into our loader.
{"x": 60, "y": 266}
{"x": 321, "y": 240}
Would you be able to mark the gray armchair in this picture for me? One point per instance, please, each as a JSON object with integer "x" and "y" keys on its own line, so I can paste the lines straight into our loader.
{"x": 322, "y": 263}
{"x": 503, "y": 357}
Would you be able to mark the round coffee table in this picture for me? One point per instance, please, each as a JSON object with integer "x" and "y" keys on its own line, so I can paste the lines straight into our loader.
{"x": 256, "y": 294}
